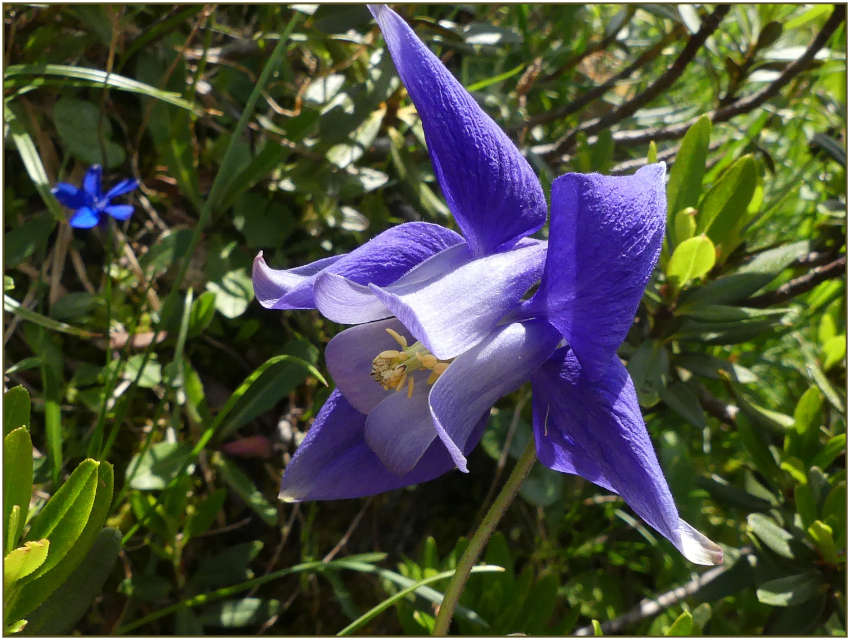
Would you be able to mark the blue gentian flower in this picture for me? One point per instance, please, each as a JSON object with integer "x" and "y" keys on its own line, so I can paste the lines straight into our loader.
{"x": 90, "y": 203}
{"x": 442, "y": 331}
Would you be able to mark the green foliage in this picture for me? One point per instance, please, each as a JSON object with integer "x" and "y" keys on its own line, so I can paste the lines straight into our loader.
{"x": 285, "y": 129}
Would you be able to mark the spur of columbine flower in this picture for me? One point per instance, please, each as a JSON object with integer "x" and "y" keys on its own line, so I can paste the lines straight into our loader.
{"x": 90, "y": 203}
{"x": 414, "y": 390}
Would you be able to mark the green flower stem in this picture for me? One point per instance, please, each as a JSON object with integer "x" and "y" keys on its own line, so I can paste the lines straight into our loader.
{"x": 482, "y": 535}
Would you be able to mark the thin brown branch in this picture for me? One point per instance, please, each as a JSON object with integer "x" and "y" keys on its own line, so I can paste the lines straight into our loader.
{"x": 801, "y": 285}
{"x": 673, "y": 73}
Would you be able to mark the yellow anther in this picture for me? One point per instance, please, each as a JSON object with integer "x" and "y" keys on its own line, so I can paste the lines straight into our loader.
{"x": 433, "y": 377}
{"x": 410, "y": 388}
{"x": 429, "y": 361}
{"x": 440, "y": 367}
{"x": 398, "y": 338}
{"x": 389, "y": 355}
{"x": 401, "y": 382}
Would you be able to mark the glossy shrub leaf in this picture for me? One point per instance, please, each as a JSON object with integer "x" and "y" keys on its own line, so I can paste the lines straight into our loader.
{"x": 685, "y": 185}
{"x": 757, "y": 447}
{"x": 63, "y": 609}
{"x": 16, "y": 409}
{"x": 679, "y": 397}
{"x": 691, "y": 260}
{"x": 41, "y": 586}
{"x": 203, "y": 312}
{"x": 790, "y": 590}
{"x": 727, "y": 201}
{"x": 17, "y": 481}
{"x": 23, "y": 561}
{"x": 822, "y": 535}
{"x": 774, "y": 536}
{"x": 684, "y": 225}
{"x": 808, "y": 418}
{"x": 244, "y": 487}
{"x": 65, "y": 515}
{"x": 834, "y": 351}
{"x": 682, "y": 626}
{"x": 158, "y": 466}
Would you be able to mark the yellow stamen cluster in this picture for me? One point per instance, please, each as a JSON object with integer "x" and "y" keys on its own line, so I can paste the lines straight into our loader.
{"x": 391, "y": 368}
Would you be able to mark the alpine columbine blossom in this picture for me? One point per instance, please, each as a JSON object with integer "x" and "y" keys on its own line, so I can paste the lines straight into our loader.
{"x": 90, "y": 203}
{"x": 414, "y": 390}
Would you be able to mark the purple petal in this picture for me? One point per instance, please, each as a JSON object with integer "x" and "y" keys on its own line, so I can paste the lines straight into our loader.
{"x": 69, "y": 196}
{"x": 120, "y": 211}
{"x": 382, "y": 260}
{"x": 341, "y": 300}
{"x": 451, "y": 312}
{"x": 604, "y": 239}
{"x": 125, "y": 186}
{"x": 595, "y": 429}
{"x": 334, "y": 461}
{"x": 476, "y": 379}
{"x": 92, "y": 181}
{"x": 84, "y": 218}
{"x": 400, "y": 429}
{"x": 491, "y": 189}
{"x": 349, "y": 358}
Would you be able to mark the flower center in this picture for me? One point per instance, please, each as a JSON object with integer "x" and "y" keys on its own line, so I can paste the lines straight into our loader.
{"x": 390, "y": 369}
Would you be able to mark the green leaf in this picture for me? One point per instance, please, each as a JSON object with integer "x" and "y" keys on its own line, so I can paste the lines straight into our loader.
{"x": 156, "y": 467}
{"x": 822, "y": 535}
{"x": 686, "y": 174}
{"x": 684, "y": 225}
{"x": 834, "y": 351}
{"x": 167, "y": 251}
{"x": 233, "y": 292}
{"x": 230, "y": 614}
{"x": 805, "y": 503}
{"x": 790, "y": 590}
{"x": 648, "y": 367}
{"x": 726, "y": 203}
{"x": 73, "y": 598}
{"x": 691, "y": 260}
{"x": 774, "y": 536}
{"x": 23, "y": 561}
{"x": 835, "y": 511}
{"x": 242, "y": 485}
{"x": 808, "y": 418}
{"x": 86, "y": 132}
{"x": 17, "y": 479}
{"x": 11, "y": 305}
{"x": 204, "y": 514}
{"x": 24, "y": 240}
{"x": 97, "y": 78}
{"x": 679, "y": 397}
{"x": 597, "y": 628}
{"x": 682, "y": 626}
{"x": 757, "y": 447}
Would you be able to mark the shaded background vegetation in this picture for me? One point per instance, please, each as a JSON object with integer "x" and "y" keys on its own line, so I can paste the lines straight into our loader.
{"x": 738, "y": 356}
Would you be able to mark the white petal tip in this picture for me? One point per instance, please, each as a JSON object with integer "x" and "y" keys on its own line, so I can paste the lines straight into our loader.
{"x": 697, "y": 548}
{"x": 286, "y": 496}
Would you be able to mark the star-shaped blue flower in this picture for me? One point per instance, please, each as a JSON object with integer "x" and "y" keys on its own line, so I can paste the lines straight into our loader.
{"x": 443, "y": 329}
{"x": 90, "y": 203}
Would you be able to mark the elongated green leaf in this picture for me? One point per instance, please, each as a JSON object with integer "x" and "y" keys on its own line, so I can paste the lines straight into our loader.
{"x": 99, "y": 78}
{"x": 17, "y": 481}
{"x": 16, "y": 409}
{"x": 63, "y": 609}
{"x": 728, "y": 313}
{"x": 830, "y": 451}
{"x": 65, "y": 515}
{"x": 684, "y": 225}
{"x": 682, "y": 400}
{"x": 790, "y": 590}
{"x": 202, "y": 518}
{"x": 757, "y": 448}
{"x": 36, "y": 590}
{"x": 386, "y": 604}
{"x": 230, "y": 614}
{"x": 771, "y": 534}
{"x": 23, "y": 561}
{"x": 822, "y": 535}
{"x": 242, "y": 484}
{"x": 13, "y": 306}
{"x": 158, "y": 466}
{"x": 685, "y": 185}
{"x": 682, "y": 626}
{"x": 691, "y": 260}
{"x": 726, "y": 203}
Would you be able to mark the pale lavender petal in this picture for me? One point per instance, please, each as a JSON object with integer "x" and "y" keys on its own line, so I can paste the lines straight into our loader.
{"x": 476, "y": 379}
{"x": 451, "y": 312}
{"x": 382, "y": 261}
{"x": 120, "y": 211}
{"x": 92, "y": 181}
{"x": 125, "y": 186}
{"x": 84, "y": 218}
{"x": 595, "y": 429}
{"x": 491, "y": 189}
{"x": 334, "y": 461}
{"x": 349, "y": 358}
{"x": 605, "y": 236}
{"x": 341, "y": 300}
{"x": 70, "y": 196}
{"x": 400, "y": 429}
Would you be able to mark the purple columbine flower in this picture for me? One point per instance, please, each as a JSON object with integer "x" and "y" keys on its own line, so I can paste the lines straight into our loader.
{"x": 90, "y": 203}
{"x": 442, "y": 331}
